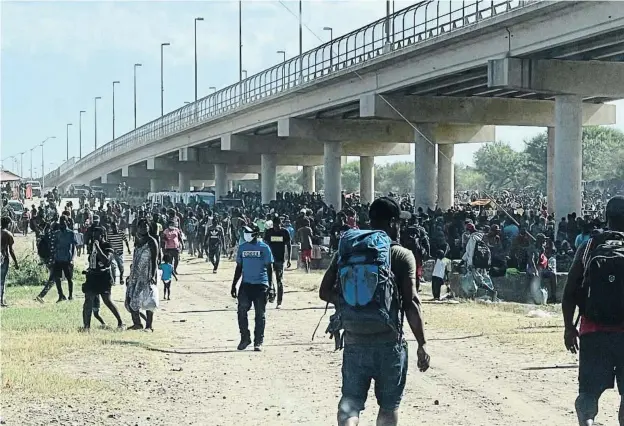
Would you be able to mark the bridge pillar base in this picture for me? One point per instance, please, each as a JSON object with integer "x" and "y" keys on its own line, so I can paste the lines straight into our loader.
{"x": 220, "y": 180}
{"x": 446, "y": 176}
{"x": 268, "y": 178}
{"x": 309, "y": 181}
{"x": 367, "y": 179}
{"x": 332, "y": 174}
{"x": 184, "y": 182}
{"x": 568, "y": 155}
{"x": 425, "y": 167}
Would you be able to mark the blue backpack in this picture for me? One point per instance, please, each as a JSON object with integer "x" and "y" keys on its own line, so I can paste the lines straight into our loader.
{"x": 369, "y": 297}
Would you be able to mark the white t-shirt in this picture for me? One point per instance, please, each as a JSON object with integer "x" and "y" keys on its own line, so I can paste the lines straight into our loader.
{"x": 440, "y": 267}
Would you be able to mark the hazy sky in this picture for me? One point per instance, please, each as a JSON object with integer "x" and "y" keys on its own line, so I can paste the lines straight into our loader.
{"x": 57, "y": 56}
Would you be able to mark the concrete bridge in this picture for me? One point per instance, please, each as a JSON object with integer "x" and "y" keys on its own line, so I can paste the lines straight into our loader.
{"x": 428, "y": 75}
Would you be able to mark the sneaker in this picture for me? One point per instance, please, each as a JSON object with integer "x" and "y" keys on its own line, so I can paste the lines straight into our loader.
{"x": 214, "y": 271}
{"x": 279, "y": 306}
{"x": 70, "y": 298}
{"x": 61, "y": 299}
{"x": 258, "y": 347}
{"x": 243, "y": 344}
{"x": 39, "y": 299}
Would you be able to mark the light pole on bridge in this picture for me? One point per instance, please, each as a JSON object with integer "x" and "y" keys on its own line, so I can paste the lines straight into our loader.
{"x": 331, "y": 50}
{"x": 114, "y": 82}
{"x": 135, "y": 100}
{"x": 80, "y": 133}
{"x": 21, "y": 154}
{"x": 95, "y": 119}
{"x": 283, "y": 53}
{"x": 162, "y": 81}
{"x": 42, "y": 166}
{"x": 67, "y": 140}
{"x": 195, "y": 23}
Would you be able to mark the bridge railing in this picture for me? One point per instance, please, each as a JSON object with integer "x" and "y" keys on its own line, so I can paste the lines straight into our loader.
{"x": 415, "y": 24}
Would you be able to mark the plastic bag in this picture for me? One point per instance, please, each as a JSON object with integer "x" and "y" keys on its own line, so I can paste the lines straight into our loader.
{"x": 468, "y": 285}
{"x": 149, "y": 299}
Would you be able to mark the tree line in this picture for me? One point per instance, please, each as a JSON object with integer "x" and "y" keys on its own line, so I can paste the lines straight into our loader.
{"x": 496, "y": 166}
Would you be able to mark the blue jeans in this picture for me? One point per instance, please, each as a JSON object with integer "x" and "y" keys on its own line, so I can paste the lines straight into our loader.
{"x": 385, "y": 363}
{"x": 119, "y": 260}
{"x": 4, "y": 270}
{"x": 256, "y": 295}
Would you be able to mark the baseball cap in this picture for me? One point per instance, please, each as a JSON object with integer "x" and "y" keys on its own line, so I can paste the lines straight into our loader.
{"x": 385, "y": 208}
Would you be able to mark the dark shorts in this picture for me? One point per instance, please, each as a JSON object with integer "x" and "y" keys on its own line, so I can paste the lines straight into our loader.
{"x": 63, "y": 268}
{"x": 98, "y": 283}
{"x": 384, "y": 363}
{"x": 601, "y": 362}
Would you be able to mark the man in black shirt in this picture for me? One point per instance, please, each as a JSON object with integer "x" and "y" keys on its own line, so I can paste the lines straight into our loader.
{"x": 215, "y": 240}
{"x": 279, "y": 241}
{"x": 337, "y": 229}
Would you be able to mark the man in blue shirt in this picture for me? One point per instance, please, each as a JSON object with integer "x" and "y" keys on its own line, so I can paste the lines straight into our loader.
{"x": 65, "y": 248}
{"x": 254, "y": 263}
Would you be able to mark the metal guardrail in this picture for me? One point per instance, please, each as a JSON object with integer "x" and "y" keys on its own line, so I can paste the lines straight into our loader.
{"x": 415, "y": 24}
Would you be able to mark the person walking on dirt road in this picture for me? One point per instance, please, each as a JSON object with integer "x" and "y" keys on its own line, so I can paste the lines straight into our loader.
{"x": 278, "y": 239}
{"x": 374, "y": 345}
{"x": 596, "y": 285}
{"x": 6, "y": 251}
{"x": 254, "y": 264}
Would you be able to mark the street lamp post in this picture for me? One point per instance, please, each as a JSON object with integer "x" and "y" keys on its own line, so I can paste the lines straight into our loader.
{"x": 283, "y": 53}
{"x": 240, "y": 40}
{"x": 331, "y": 50}
{"x": 135, "y": 100}
{"x": 95, "y": 119}
{"x": 162, "y": 82}
{"x": 80, "y": 134}
{"x": 214, "y": 99}
{"x": 67, "y": 140}
{"x": 22, "y": 163}
{"x": 196, "y": 19}
{"x": 31, "y": 161}
{"x": 300, "y": 42}
{"x": 114, "y": 82}
{"x": 42, "y": 167}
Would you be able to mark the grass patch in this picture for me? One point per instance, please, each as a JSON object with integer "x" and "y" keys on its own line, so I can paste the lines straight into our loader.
{"x": 41, "y": 347}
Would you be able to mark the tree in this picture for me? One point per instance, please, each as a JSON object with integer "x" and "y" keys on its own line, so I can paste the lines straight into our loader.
{"x": 500, "y": 165}
{"x": 468, "y": 178}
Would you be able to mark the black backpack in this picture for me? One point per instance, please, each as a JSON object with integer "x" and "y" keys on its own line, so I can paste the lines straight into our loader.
{"x": 602, "y": 299}
{"x": 482, "y": 256}
{"x": 43, "y": 247}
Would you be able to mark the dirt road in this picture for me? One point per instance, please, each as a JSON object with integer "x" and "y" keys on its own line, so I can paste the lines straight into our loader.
{"x": 203, "y": 380}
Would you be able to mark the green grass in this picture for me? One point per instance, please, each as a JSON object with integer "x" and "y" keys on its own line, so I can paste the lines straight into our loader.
{"x": 41, "y": 342}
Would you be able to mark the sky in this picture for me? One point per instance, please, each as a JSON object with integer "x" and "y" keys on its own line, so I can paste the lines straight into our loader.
{"x": 57, "y": 56}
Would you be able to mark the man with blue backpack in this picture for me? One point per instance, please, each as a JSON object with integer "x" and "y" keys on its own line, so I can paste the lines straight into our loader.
{"x": 372, "y": 283}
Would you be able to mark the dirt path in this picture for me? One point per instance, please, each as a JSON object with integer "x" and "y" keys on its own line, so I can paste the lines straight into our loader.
{"x": 203, "y": 380}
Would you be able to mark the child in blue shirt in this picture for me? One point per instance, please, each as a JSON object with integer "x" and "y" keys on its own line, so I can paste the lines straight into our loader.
{"x": 167, "y": 272}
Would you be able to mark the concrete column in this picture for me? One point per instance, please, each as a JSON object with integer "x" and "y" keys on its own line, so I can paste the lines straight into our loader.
{"x": 446, "y": 176}
{"x": 425, "y": 167}
{"x": 220, "y": 180}
{"x": 568, "y": 155}
{"x": 309, "y": 181}
{"x": 332, "y": 174}
{"x": 156, "y": 185}
{"x": 367, "y": 179}
{"x": 230, "y": 185}
{"x": 184, "y": 182}
{"x": 268, "y": 184}
{"x": 550, "y": 171}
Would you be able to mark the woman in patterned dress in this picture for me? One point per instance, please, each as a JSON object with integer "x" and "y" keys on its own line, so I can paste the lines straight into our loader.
{"x": 142, "y": 274}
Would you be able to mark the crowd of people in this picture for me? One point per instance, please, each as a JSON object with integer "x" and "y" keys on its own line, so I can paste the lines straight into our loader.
{"x": 487, "y": 234}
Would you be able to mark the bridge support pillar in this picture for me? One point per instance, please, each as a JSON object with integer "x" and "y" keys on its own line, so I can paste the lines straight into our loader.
{"x": 425, "y": 167}
{"x": 568, "y": 155}
{"x": 550, "y": 171}
{"x": 268, "y": 179}
{"x": 367, "y": 179}
{"x": 184, "y": 182}
{"x": 446, "y": 176}
{"x": 332, "y": 174}
{"x": 221, "y": 181}
{"x": 309, "y": 181}
{"x": 156, "y": 185}
{"x": 230, "y": 185}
